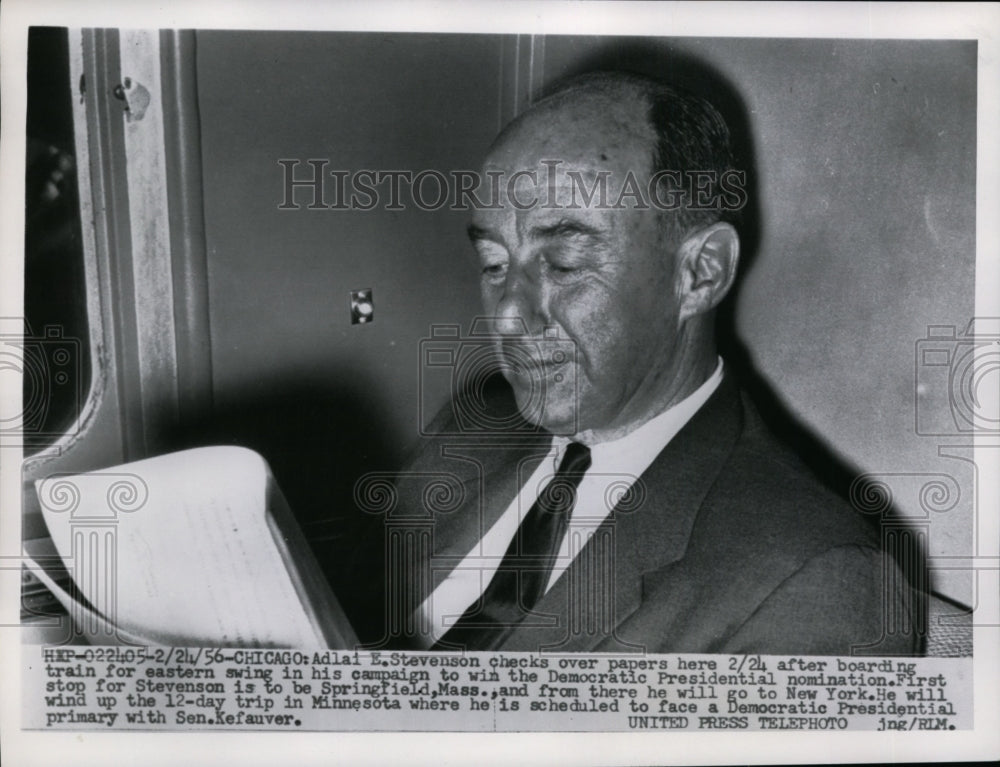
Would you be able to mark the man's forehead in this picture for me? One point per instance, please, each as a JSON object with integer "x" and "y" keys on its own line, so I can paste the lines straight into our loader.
{"x": 586, "y": 132}
{"x": 540, "y": 219}
{"x": 579, "y": 154}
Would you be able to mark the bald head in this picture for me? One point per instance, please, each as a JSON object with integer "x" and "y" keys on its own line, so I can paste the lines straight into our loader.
{"x": 574, "y": 117}
{"x": 675, "y": 138}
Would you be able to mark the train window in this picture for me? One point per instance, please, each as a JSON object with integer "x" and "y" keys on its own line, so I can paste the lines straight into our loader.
{"x": 55, "y": 355}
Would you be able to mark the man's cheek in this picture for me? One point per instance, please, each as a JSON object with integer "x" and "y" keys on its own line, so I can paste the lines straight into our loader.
{"x": 589, "y": 318}
{"x": 596, "y": 338}
{"x": 490, "y": 298}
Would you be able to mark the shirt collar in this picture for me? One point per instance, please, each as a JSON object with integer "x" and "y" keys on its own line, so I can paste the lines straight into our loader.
{"x": 641, "y": 446}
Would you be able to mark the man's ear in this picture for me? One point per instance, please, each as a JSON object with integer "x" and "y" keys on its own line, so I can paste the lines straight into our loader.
{"x": 707, "y": 261}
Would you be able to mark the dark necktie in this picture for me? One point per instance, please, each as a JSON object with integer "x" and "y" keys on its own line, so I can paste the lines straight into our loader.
{"x": 525, "y": 570}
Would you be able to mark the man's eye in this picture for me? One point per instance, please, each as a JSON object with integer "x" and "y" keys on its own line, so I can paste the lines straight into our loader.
{"x": 561, "y": 270}
{"x": 495, "y": 271}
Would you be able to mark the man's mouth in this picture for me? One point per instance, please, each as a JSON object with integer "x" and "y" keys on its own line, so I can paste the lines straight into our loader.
{"x": 531, "y": 362}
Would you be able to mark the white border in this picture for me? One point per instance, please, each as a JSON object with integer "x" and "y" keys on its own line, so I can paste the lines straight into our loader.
{"x": 942, "y": 20}
{"x": 815, "y": 20}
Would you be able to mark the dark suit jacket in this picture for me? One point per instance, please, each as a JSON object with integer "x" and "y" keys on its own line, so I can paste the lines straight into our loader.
{"x": 728, "y": 544}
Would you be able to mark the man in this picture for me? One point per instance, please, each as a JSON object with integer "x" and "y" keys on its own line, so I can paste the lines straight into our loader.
{"x": 638, "y": 504}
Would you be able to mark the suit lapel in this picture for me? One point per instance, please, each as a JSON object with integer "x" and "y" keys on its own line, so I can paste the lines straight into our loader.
{"x": 645, "y": 533}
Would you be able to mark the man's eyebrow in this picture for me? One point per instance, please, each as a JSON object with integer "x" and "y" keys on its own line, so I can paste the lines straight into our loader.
{"x": 477, "y": 233}
{"x": 564, "y": 228}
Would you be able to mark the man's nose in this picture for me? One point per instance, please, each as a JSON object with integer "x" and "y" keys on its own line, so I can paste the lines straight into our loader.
{"x": 520, "y": 311}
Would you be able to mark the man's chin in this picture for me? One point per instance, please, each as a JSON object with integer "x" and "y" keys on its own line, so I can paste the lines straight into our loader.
{"x": 556, "y": 416}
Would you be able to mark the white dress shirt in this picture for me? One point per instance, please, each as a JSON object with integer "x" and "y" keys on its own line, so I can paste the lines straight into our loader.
{"x": 615, "y": 467}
